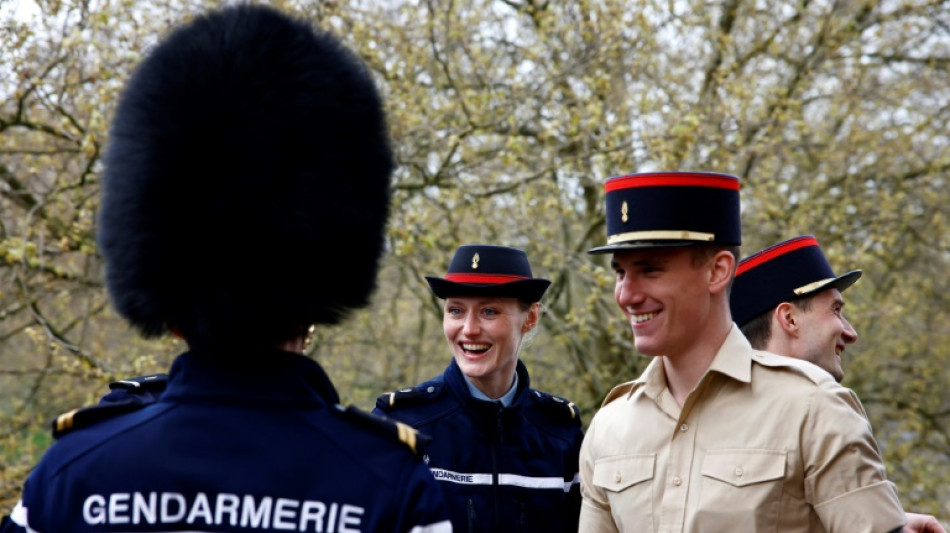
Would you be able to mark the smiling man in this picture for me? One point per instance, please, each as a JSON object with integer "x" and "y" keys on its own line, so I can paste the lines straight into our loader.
{"x": 787, "y": 300}
{"x": 715, "y": 436}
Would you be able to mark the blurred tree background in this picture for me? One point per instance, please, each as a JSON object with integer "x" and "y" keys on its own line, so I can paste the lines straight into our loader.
{"x": 507, "y": 117}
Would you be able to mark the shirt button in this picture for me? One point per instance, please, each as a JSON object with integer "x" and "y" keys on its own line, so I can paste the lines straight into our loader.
{"x": 677, "y": 481}
{"x": 617, "y": 477}
{"x": 683, "y": 428}
{"x": 739, "y": 471}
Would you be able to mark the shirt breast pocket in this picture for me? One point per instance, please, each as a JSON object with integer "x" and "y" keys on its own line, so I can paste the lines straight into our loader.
{"x": 627, "y": 481}
{"x": 741, "y": 490}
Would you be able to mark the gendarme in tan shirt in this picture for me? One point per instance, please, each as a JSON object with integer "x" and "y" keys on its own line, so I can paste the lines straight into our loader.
{"x": 764, "y": 443}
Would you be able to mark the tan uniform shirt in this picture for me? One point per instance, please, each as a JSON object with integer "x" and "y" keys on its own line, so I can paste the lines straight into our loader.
{"x": 763, "y": 443}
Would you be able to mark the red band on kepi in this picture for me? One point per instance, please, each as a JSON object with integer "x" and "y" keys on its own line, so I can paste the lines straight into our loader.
{"x": 791, "y": 269}
{"x": 672, "y": 179}
{"x": 494, "y": 271}
{"x": 772, "y": 252}
{"x": 491, "y": 279}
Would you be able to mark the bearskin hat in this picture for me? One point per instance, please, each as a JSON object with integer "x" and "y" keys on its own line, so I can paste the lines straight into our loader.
{"x": 247, "y": 181}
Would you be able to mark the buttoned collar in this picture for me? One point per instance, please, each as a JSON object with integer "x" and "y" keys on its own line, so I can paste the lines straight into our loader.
{"x": 733, "y": 359}
{"x": 506, "y": 399}
{"x": 480, "y": 408}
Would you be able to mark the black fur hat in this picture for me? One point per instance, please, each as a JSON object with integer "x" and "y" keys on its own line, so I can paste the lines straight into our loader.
{"x": 247, "y": 150}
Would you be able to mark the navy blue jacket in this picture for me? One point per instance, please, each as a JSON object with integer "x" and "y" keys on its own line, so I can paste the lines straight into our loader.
{"x": 233, "y": 445}
{"x": 501, "y": 468}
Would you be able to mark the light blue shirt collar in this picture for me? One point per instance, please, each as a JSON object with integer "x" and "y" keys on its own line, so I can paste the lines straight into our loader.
{"x": 505, "y": 400}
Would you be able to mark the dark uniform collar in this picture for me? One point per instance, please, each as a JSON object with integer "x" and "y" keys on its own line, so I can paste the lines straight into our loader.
{"x": 274, "y": 378}
{"x": 481, "y": 408}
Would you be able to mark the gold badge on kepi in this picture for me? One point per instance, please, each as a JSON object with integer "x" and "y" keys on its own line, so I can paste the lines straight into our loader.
{"x": 475, "y": 260}
{"x": 623, "y": 212}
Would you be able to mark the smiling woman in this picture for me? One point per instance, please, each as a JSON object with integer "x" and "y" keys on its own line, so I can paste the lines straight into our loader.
{"x": 485, "y": 335}
{"x": 504, "y": 454}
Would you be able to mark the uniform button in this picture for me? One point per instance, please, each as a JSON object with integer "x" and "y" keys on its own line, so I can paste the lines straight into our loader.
{"x": 739, "y": 471}
{"x": 430, "y": 389}
{"x": 677, "y": 481}
{"x": 683, "y": 428}
{"x": 617, "y": 477}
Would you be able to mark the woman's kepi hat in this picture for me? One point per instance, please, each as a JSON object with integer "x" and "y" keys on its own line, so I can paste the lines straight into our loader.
{"x": 791, "y": 269}
{"x": 486, "y": 270}
{"x": 671, "y": 209}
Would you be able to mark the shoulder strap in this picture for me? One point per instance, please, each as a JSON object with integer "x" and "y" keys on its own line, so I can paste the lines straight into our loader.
{"x": 389, "y": 400}
{"x": 403, "y": 432}
{"x": 812, "y": 372}
{"x": 559, "y": 405}
{"x": 124, "y": 396}
{"x": 87, "y": 416}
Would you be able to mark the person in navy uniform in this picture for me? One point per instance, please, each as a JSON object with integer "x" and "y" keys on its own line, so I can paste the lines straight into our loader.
{"x": 247, "y": 150}
{"x": 505, "y": 454}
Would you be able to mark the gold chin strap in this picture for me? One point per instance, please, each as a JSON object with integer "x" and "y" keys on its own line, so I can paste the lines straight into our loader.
{"x": 661, "y": 235}
{"x": 812, "y": 286}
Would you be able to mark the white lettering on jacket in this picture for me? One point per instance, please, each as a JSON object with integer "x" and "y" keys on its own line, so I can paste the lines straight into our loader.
{"x": 222, "y": 509}
{"x": 514, "y": 480}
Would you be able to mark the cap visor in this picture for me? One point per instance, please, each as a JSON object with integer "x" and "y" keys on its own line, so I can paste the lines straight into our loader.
{"x": 619, "y": 247}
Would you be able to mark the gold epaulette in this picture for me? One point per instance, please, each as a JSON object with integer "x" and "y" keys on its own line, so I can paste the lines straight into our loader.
{"x": 405, "y": 433}
{"x": 87, "y": 416}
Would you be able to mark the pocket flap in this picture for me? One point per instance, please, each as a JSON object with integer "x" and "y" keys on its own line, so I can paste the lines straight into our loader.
{"x": 621, "y": 471}
{"x": 744, "y": 467}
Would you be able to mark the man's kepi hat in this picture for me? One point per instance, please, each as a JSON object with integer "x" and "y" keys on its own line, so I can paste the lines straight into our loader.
{"x": 657, "y": 209}
{"x": 486, "y": 270}
{"x": 791, "y": 269}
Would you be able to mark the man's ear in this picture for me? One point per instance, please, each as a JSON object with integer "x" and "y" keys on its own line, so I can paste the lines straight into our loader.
{"x": 721, "y": 269}
{"x": 786, "y": 315}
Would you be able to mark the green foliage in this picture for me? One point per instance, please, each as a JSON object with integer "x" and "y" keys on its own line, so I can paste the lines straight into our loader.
{"x": 508, "y": 115}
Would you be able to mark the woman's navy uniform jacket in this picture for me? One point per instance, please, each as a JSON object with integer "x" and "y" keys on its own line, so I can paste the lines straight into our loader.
{"x": 235, "y": 446}
{"x": 501, "y": 468}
